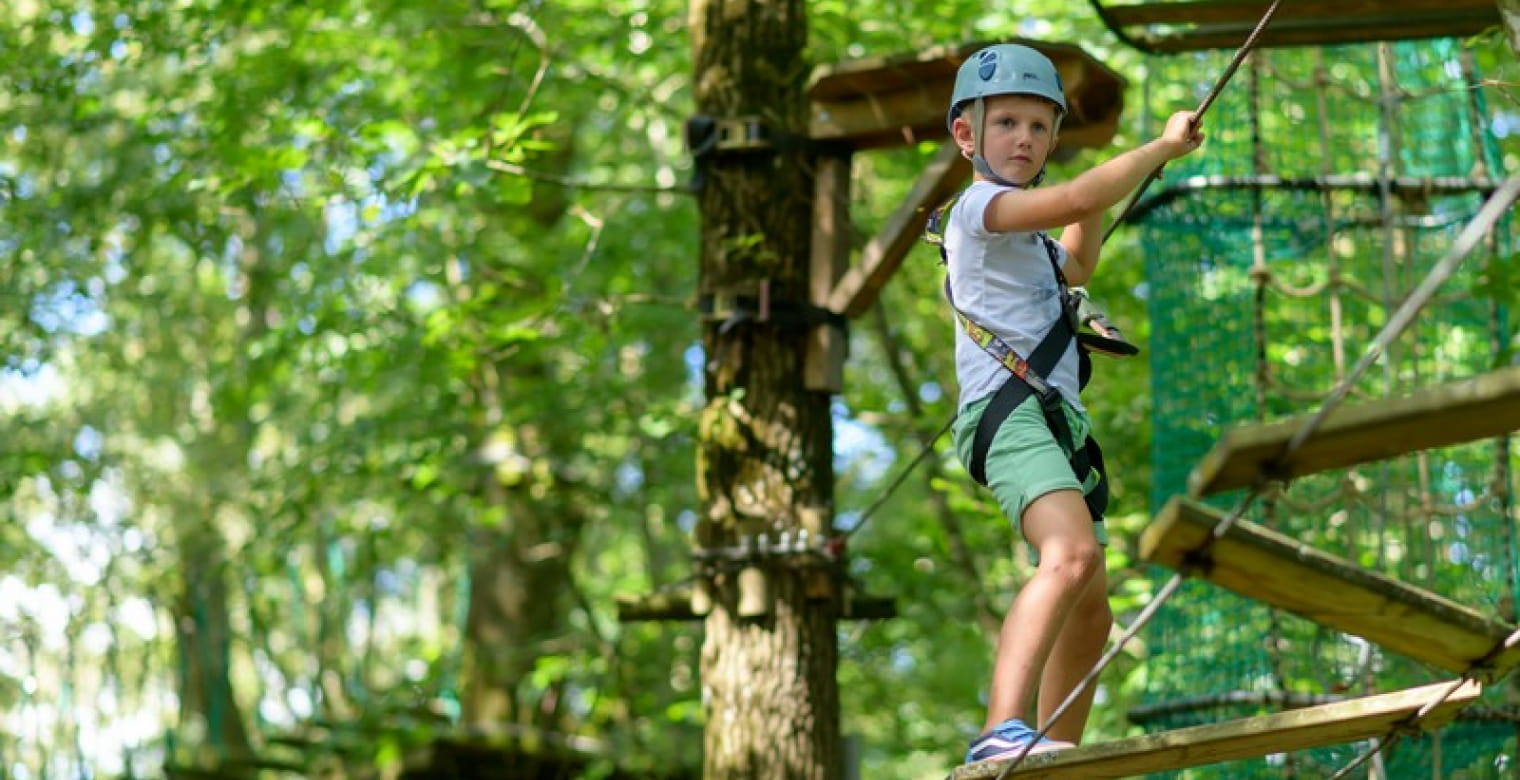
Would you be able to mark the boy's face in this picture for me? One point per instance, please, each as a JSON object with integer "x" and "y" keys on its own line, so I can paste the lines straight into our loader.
{"x": 1018, "y": 133}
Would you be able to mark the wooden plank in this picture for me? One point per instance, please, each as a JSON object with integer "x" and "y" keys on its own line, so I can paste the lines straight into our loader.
{"x": 857, "y": 290}
{"x": 930, "y": 65}
{"x": 1480, "y": 407}
{"x": 1347, "y": 12}
{"x": 823, "y": 365}
{"x": 1261, "y": 564}
{"x": 1283, "y": 732}
{"x": 1229, "y": 37}
{"x": 894, "y": 101}
{"x": 1212, "y": 24}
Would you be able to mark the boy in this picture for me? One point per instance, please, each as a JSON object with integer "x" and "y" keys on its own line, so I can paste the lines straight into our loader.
{"x": 1006, "y": 283}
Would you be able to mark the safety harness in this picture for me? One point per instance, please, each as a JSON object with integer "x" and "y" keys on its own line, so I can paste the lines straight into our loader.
{"x": 1028, "y": 376}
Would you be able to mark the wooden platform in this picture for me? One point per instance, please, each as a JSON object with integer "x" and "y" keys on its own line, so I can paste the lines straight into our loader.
{"x": 1169, "y": 27}
{"x": 1328, "y": 724}
{"x": 1469, "y": 410}
{"x": 1264, "y": 565}
{"x": 901, "y": 100}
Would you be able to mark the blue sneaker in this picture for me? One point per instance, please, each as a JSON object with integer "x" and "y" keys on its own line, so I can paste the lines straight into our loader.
{"x": 1008, "y": 740}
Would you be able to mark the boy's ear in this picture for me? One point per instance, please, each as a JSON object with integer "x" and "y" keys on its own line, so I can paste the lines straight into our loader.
{"x": 963, "y": 138}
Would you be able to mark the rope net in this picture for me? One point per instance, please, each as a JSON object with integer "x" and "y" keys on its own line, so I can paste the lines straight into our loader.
{"x": 1272, "y": 260}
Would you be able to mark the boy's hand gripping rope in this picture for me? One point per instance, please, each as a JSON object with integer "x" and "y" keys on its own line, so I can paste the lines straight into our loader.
{"x": 1208, "y": 100}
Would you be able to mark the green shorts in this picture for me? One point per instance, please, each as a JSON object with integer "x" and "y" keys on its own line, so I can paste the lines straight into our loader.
{"x": 1025, "y": 461}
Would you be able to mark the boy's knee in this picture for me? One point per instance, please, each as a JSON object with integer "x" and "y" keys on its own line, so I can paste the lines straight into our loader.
{"x": 1077, "y": 563}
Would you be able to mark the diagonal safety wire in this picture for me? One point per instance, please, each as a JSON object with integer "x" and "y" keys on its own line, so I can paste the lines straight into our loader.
{"x": 1208, "y": 100}
{"x": 1482, "y": 223}
{"x": 901, "y": 477}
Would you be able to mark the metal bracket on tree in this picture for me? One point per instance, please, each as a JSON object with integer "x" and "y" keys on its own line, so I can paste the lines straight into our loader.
{"x": 734, "y": 309}
{"x": 820, "y": 557}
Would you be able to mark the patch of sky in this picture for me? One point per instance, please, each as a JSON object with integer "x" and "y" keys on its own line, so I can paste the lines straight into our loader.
{"x": 629, "y": 478}
{"x": 695, "y": 357}
{"x": 68, "y": 309}
{"x": 82, "y": 23}
{"x": 31, "y": 383}
{"x": 424, "y": 295}
{"x": 88, "y": 443}
{"x": 859, "y": 447}
{"x": 1504, "y": 124}
{"x": 388, "y": 583}
{"x": 686, "y": 520}
{"x": 342, "y": 220}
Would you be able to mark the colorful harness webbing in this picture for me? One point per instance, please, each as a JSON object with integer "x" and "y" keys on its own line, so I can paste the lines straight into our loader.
{"x": 1031, "y": 373}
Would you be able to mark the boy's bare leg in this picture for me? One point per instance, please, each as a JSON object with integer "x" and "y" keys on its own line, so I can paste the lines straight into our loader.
{"x": 1059, "y": 526}
{"x": 1075, "y": 653}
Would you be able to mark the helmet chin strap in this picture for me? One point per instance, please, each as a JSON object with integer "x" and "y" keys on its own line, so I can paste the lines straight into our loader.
{"x": 979, "y": 163}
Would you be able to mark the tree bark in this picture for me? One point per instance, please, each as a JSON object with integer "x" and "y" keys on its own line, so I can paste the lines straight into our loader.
{"x": 764, "y": 463}
{"x": 519, "y": 570}
{"x": 210, "y": 720}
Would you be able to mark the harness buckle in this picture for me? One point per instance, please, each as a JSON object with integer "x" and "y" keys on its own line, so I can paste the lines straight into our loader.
{"x": 1106, "y": 338}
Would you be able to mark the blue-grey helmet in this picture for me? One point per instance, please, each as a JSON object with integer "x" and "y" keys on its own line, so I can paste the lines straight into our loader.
{"x": 1006, "y": 69}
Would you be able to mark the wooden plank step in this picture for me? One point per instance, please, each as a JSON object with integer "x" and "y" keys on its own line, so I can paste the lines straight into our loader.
{"x": 1172, "y": 27}
{"x": 1468, "y": 410}
{"x": 1264, "y": 565}
{"x": 1282, "y": 732}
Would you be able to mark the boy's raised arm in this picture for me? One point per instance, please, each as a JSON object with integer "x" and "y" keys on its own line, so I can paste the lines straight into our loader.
{"x": 1095, "y": 190}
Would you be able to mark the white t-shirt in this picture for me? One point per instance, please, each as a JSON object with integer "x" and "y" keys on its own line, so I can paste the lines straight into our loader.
{"x": 1003, "y": 282}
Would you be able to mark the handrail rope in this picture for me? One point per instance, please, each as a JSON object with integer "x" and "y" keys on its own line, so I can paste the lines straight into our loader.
{"x": 1481, "y": 224}
{"x": 1208, "y": 100}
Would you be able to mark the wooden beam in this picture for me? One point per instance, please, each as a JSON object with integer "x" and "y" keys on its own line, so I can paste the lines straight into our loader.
{"x": 857, "y": 290}
{"x": 1213, "y": 24}
{"x": 1481, "y": 407}
{"x": 1339, "y": 12}
{"x": 1283, "y": 732}
{"x": 1261, "y": 564}
{"x": 823, "y": 366}
{"x": 900, "y": 100}
{"x": 675, "y": 605}
{"x": 1229, "y": 37}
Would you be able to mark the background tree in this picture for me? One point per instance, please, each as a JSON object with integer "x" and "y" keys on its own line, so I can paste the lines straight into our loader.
{"x": 764, "y": 467}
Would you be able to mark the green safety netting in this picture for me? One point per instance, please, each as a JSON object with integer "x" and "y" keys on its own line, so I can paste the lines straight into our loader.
{"x": 1272, "y": 261}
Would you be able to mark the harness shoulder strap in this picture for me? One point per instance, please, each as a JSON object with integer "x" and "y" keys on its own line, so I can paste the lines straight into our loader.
{"x": 1028, "y": 376}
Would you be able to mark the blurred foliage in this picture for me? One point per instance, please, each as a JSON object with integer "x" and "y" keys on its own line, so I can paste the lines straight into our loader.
{"x": 290, "y": 288}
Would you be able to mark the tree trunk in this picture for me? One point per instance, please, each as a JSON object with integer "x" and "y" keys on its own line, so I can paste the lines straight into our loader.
{"x": 518, "y": 570}
{"x": 765, "y": 445}
{"x": 210, "y": 721}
